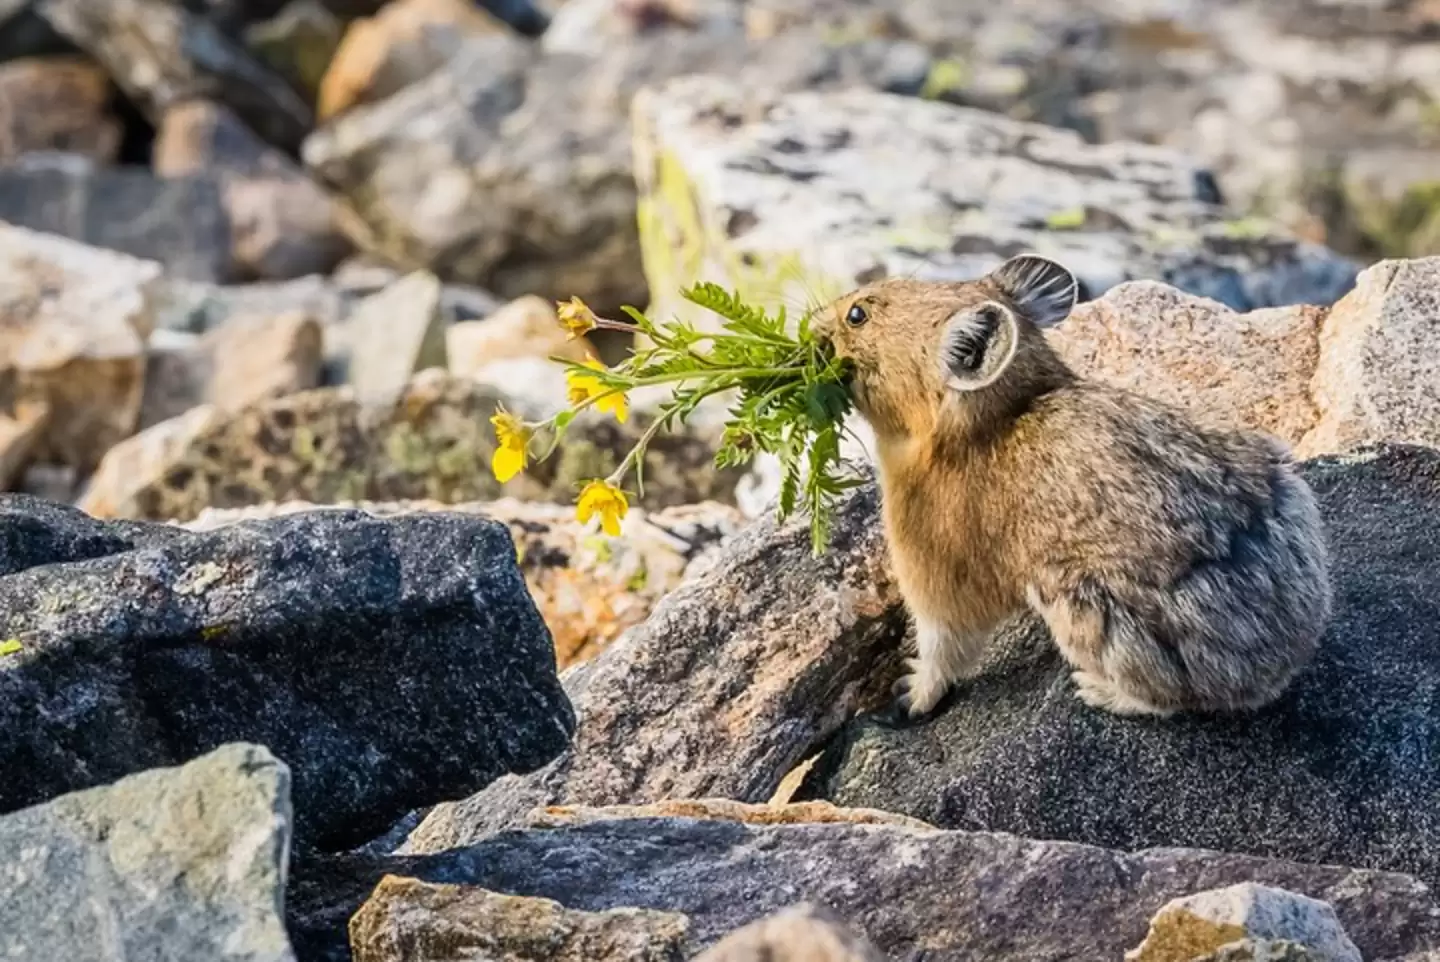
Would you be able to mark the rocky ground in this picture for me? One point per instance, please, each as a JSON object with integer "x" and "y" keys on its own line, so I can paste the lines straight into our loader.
{"x": 287, "y": 675}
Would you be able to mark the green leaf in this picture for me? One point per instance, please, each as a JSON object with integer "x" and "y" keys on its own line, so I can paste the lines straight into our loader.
{"x": 10, "y": 646}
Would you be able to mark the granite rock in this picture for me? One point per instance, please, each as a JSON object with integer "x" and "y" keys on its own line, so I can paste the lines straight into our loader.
{"x": 805, "y": 933}
{"x": 729, "y": 684}
{"x": 390, "y": 663}
{"x": 1210, "y": 921}
{"x": 1334, "y": 772}
{"x": 169, "y": 865}
{"x": 56, "y": 104}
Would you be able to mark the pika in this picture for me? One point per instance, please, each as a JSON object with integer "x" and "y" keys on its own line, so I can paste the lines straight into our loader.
{"x": 1177, "y": 567}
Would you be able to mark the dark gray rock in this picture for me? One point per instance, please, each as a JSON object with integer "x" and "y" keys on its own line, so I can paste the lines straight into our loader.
{"x": 731, "y": 682}
{"x": 389, "y": 663}
{"x": 170, "y": 865}
{"x": 180, "y": 222}
{"x": 1344, "y": 769}
{"x": 161, "y": 53}
{"x": 936, "y": 896}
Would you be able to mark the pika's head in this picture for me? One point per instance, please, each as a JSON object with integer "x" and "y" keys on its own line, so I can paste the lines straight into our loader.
{"x": 914, "y": 345}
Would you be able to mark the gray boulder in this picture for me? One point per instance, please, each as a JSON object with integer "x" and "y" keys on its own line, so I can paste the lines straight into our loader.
{"x": 170, "y": 865}
{"x": 953, "y": 896}
{"x": 390, "y": 663}
{"x": 1343, "y": 769}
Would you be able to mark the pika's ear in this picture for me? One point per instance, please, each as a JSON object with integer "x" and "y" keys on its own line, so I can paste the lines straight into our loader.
{"x": 1041, "y": 289}
{"x": 977, "y": 344}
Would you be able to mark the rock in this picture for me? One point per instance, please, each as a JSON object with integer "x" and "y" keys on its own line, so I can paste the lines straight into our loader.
{"x": 595, "y": 27}
{"x": 956, "y": 896}
{"x": 390, "y": 663}
{"x": 245, "y": 361}
{"x": 170, "y": 865}
{"x": 1228, "y": 367}
{"x": 797, "y": 197}
{"x": 1196, "y": 924}
{"x": 282, "y": 225}
{"x": 528, "y": 187}
{"x": 1331, "y": 773}
{"x": 196, "y": 307}
{"x": 159, "y": 53}
{"x": 395, "y": 334}
{"x": 732, "y": 680}
{"x": 1380, "y": 360}
{"x": 805, "y": 933}
{"x": 56, "y": 104}
{"x": 721, "y": 809}
{"x": 180, "y": 222}
{"x": 589, "y": 590}
{"x": 75, "y": 320}
{"x": 407, "y": 919}
{"x": 20, "y": 434}
{"x": 524, "y": 328}
{"x": 432, "y": 442}
{"x": 405, "y": 42}
{"x": 298, "y": 44}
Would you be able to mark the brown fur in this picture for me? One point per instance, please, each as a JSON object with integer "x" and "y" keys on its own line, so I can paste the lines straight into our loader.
{"x": 1179, "y": 567}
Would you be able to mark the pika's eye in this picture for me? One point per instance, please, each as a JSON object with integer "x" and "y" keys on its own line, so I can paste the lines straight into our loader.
{"x": 856, "y": 316}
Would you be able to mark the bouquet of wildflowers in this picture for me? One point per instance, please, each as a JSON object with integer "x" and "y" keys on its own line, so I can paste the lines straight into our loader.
{"x": 791, "y": 402}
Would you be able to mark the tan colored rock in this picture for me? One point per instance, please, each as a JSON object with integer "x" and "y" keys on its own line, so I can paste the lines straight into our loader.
{"x": 395, "y": 334}
{"x": 432, "y": 441}
{"x": 282, "y": 225}
{"x": 525, "y": 327}
{"x": 804, "y": 933}
{"x": 1378, "y": 376}
{"x": 247, "y": 359}
{"x": 407, "y": 920}
{"x": 73, "y": 325}
{"x": 725, "y": 810}
{"x": 589, "y": 590}
{"x": 56, "y": 104}
{"x": 1230, "y": 368}
{"x": 403, "y": 43}
{"x": 20, "y": 433}
{"x": 1187, "y": 929}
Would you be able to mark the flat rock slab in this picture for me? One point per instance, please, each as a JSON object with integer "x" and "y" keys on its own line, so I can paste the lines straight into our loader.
{"x": 1343, "y": 769}
{"x": 940, "y": 896}
{"x": 797, "y": 197}
{"x": 170, "y": 865}
{"x": 390, "y": 663}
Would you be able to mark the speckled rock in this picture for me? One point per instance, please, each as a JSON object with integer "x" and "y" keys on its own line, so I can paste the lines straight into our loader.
{"x": 720, "y": 809}
{"x": 1208, "y": 922}
{"x": 732, "y": 680}
{"x": 245, "y": 361}
{"x": 1379, "y": 363}
{"x": 390, "y": 663}
{"x": 797, "y": 197}
{"x": 410, "y": 920}
{"x": 171, "y": 865}
{"x": 956, "y": 896}
{"x": 589, "y": 589}
{"x": 805, "y": 933}
{"x": 1337, "y": 771}
{"x": 160, "y": 53}
{"x": 1228, "y": 367}
{"x": 56, "y": 103}
{"x": 73, "y": 324}
{"x": 432, "y": 442}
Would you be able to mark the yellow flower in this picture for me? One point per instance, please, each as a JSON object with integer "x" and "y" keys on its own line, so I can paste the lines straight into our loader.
{"x": 576, "y": 317}
{"x": 583, "y": 387}
{"x": 513, "y": 438}
{"x": 606, "y": 500}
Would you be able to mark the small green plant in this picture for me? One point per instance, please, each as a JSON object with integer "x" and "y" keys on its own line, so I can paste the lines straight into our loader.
{"x": 790, "y": 401}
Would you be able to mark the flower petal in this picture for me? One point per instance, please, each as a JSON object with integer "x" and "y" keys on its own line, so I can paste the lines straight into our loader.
{"x": 508, "y": 461}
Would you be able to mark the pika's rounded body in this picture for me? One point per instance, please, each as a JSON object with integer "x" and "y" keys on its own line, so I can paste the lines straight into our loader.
{"x": 1178, "y": 567}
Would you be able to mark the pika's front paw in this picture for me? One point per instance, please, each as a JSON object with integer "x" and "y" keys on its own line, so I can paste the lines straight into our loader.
{"x": 917, "y": 693}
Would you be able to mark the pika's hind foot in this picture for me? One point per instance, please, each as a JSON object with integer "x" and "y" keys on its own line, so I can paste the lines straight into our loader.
{"x": 1099, "y": 692}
